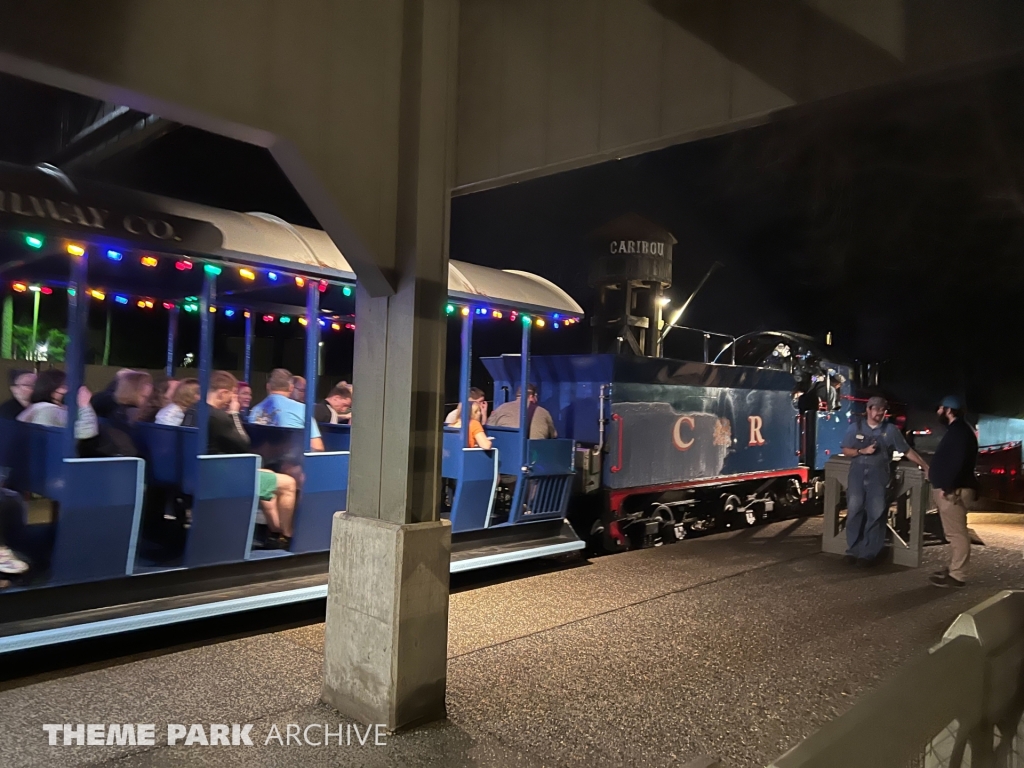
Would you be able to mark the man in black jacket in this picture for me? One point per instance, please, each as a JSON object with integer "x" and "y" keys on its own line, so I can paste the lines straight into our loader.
{"x": 954, "y": 488}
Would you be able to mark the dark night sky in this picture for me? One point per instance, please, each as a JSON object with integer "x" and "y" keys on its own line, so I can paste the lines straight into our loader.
{"x": 894, "y": 219}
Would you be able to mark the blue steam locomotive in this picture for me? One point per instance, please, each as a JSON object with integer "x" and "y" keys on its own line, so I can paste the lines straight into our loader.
{"x": 666, "y": 447}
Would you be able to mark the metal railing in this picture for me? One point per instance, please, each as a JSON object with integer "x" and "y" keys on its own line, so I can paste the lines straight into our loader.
{"x": 959, "y": 705}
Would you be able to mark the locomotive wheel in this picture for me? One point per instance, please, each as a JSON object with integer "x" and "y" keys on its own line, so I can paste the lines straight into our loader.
{"x": 733, "y": 516}
{"x": 669, "y": 530}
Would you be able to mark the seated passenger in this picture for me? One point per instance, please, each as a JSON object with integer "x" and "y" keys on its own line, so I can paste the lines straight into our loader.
{"x": 21, "y": 394}
{"x": 227, "y": 435}
{"x": 336, "y": 407}
{"x": 103, "y": 402}
{"x": 279, "y": 410}
{"x": 163, "y": 391}
{"x": 476, "y": 395}
{"x": 477, "y": 437}
{"x": 11, "y": 516}
{"x": 133, "y": 391}
{"x": 542, "y": 426}
{"x": 185, "y": 397}
{"x": 244, "y": 400}
{"x": 298, "y": 389}
{"x": 48, "y": 407}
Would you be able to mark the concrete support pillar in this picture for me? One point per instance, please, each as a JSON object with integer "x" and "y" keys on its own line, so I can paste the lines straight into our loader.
{"x": 387, "y": 608}
{"x": 387, "y": 620}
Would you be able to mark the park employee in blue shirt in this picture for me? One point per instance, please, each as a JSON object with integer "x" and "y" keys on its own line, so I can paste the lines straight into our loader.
{"x": 870, "y": 442}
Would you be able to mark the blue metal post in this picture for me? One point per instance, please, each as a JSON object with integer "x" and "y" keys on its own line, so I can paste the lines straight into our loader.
{"x": 74, "y": 356}
{"x": 247, "y": 372}
{"x": 465, "y": 371}
{"x": 172, "y": 335}
{"x": 524, "y": 380}
{"x": 312, "y": 350}
{"x": 205, "y": 358}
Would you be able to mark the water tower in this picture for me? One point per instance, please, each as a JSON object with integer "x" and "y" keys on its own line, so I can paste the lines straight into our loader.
{"x": 631, "y": 269}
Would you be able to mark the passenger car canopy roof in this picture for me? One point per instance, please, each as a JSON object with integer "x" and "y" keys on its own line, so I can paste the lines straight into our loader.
{"x": 43, "y": 199}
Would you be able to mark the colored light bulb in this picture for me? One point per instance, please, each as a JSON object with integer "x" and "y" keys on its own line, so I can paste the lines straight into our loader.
{"x": 34, "y": 241}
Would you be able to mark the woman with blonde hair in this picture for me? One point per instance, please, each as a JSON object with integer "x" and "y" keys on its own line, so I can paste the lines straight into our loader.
{"x": 185, "y": 397}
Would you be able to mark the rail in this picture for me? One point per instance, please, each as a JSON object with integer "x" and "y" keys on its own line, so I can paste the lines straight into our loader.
{"x": 707, "y": 338}
{"x": 960, "y": 704}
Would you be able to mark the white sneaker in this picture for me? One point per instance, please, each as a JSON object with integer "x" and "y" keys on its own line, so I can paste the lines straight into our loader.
{"x": 10, "y": 564}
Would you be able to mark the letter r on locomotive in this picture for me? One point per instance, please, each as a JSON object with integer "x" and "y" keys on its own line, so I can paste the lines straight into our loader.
{"x": 756, "y": 423}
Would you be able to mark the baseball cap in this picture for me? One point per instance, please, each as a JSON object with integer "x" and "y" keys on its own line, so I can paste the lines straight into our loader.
{"x": 952, "y": 401}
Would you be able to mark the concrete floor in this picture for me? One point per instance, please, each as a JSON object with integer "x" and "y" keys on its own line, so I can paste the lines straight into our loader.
{"x": 734, "y": 646}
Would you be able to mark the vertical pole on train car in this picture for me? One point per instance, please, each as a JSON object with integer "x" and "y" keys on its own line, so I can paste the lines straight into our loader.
{"x": 247, "y": 370}
{"x": 6, "y": 343}
{"x": 205, "y": 357}
{"x": 465, "y": 372}
{"x": 524, "y": 382}
{"x": 106, "y": 338}
{"x": 35, "y": 322}
{"x": 312, "y": 350}
{"x": 172, "y": 336}
{"x": 74, "y": 356}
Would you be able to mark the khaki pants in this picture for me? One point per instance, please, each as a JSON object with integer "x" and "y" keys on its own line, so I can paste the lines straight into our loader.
{"x": 953, "y": 511}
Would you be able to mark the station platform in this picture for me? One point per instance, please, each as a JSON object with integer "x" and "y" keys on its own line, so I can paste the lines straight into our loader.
{"x": 731, "y": 647}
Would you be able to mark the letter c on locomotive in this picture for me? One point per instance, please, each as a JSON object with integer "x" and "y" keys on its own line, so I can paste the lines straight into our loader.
{"x": 677, "y": 438}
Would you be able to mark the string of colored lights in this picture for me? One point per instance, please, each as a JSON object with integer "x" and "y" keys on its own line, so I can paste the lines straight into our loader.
{"x": 556, "y": 320}
{"x": 191, "y": 303}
